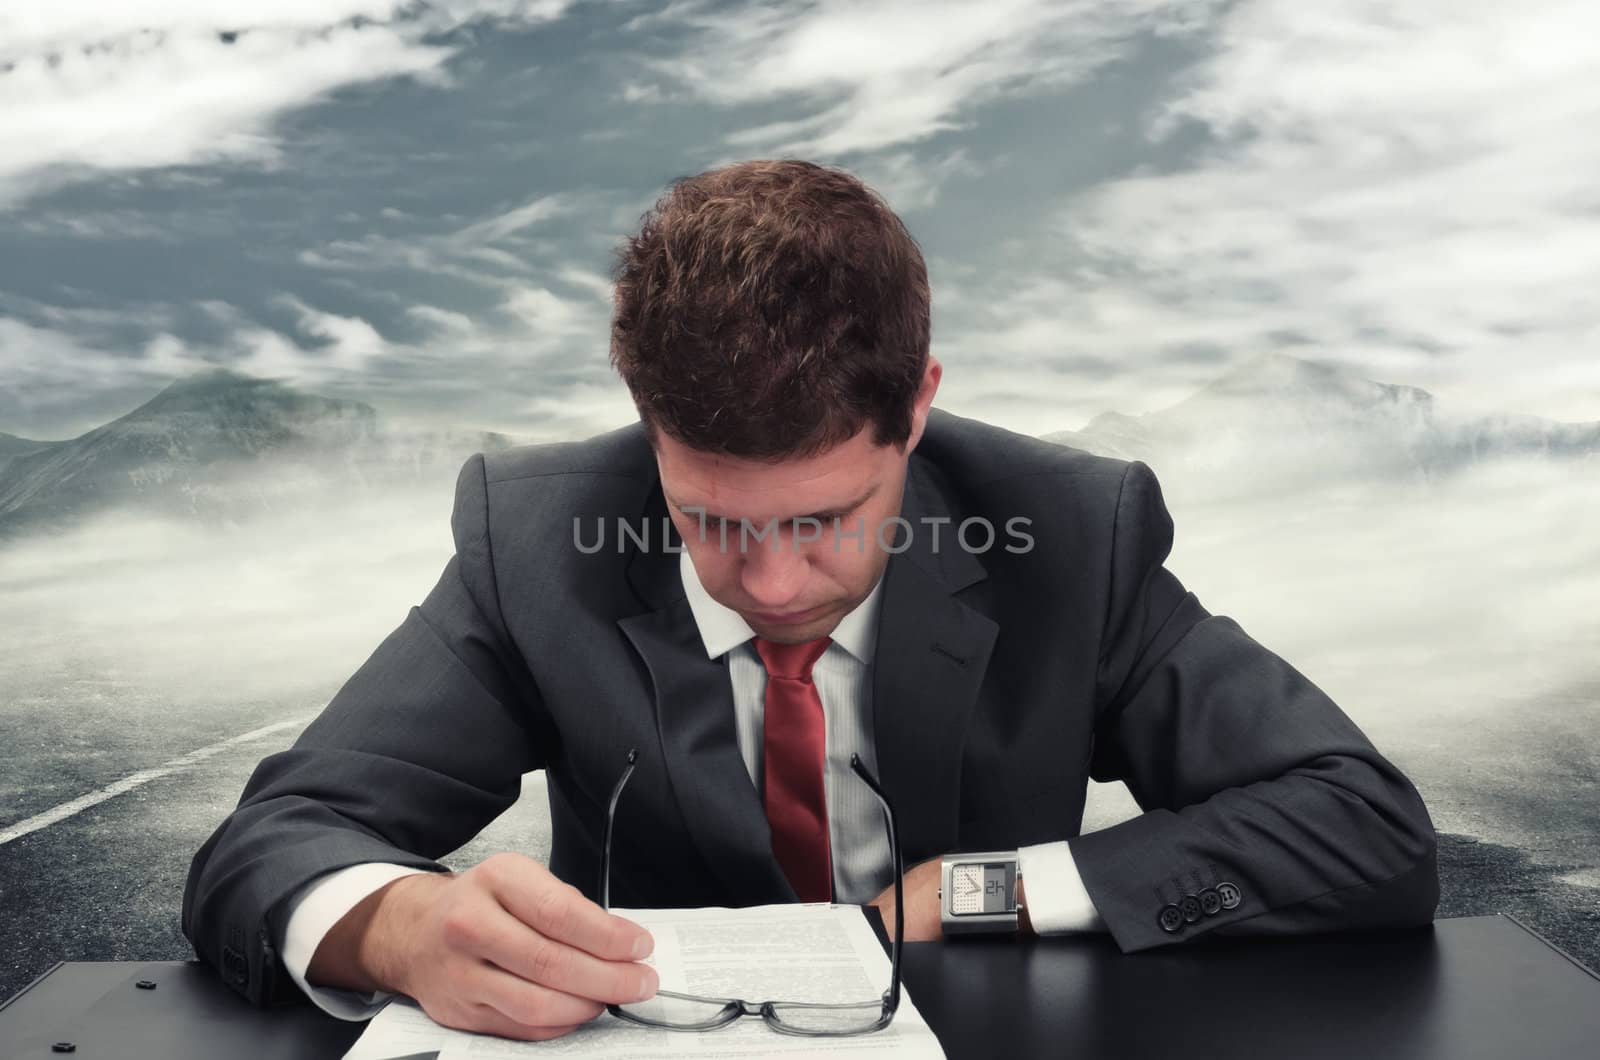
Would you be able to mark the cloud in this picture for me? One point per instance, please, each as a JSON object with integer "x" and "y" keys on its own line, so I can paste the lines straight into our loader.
{"x": 1047, "y": 345}
{"x": 909, "y": 182}
{"x": 580, "y": 409}
{"x": 349, "y": 343}
{"x": 442, "y": 321}
{"x": 56, "y": 382}
{"x": 597, "y": 285}
{"x": 1406, "y": 191}
{"x": 483, "y": 252}
{"x": 538, "y": 311}
{"x": 511, "y": 222}
{"x": 872, "y": 76}
{"x": 507, "y": 367}
{"x": 88, "y": 88}
{"x": 99, "y": 225}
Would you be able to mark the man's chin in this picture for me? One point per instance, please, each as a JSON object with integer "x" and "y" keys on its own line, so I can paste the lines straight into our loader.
{"x": 819, "y": 625}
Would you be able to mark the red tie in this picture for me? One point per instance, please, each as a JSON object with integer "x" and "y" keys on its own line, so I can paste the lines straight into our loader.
{"x": 795, "y": 739}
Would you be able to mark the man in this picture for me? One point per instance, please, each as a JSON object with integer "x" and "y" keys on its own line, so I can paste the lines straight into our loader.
{"x": 983, "y": 617}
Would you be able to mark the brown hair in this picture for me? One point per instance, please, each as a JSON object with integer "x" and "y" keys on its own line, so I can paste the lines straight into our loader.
{"x": 771, "y": 309}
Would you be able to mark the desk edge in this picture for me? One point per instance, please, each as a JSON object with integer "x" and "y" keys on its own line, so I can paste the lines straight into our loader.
{"x": 42, "y": 977}
{"x": 1530, "y": 930}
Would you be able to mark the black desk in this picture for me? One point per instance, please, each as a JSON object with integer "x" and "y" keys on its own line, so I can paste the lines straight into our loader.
{"x": 1467, "y": 988}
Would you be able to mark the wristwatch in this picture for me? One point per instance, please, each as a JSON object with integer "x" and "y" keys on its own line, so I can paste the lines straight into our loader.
{"x": 978, "y": 892}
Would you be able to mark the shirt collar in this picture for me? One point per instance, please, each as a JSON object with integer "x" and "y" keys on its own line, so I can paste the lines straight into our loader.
{"x": 722, "y": 629}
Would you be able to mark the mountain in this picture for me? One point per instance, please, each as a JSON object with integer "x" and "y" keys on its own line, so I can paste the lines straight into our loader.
{"x": 1278, "y": 420}
{"x": 11, "y": 445}
{"x": 219, "y": 445}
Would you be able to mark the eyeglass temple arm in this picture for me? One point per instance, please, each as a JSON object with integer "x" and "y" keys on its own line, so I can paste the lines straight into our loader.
{"x": 611, "y": 815}
{"x": 899, "y": 876}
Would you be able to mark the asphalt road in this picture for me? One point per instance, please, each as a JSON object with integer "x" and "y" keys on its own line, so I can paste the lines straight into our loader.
{"x": 107, "y": 884}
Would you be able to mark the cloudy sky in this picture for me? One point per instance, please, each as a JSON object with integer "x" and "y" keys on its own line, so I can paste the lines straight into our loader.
{"x": 416, "y": 204}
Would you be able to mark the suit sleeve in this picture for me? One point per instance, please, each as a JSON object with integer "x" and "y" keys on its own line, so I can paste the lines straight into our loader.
{"x": 1247, "y": 773}
{"x": 420, "y": 749}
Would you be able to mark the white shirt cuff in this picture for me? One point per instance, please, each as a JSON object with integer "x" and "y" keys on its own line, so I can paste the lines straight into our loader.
{"x": 318, "y": 906}
{"x": 1053, "y": 889}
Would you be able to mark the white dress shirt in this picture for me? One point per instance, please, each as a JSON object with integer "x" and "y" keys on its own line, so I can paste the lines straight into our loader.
{"x": 862, "y": 866}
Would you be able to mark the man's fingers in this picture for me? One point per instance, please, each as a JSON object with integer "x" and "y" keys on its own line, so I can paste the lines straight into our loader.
{"x": 560, "y": 911}
{"x": 531, "y": 1006}
{"x": 527, "y": 954}
{"x": 491, "y": 1021}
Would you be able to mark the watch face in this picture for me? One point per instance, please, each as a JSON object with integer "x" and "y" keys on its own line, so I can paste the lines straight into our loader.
{"x": 978, "y": 887}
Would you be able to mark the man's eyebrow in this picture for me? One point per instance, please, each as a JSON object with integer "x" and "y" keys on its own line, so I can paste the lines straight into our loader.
{"x": 713, "y": 517}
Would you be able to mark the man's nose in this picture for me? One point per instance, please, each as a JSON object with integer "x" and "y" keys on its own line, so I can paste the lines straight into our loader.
{"x": 773, "y": 572}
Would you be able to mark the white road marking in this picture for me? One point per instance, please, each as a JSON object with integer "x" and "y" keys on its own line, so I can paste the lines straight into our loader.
{"x": 144, "y": 776}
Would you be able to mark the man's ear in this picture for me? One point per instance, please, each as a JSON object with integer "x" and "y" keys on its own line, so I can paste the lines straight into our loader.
{"x": 924, "y": 401}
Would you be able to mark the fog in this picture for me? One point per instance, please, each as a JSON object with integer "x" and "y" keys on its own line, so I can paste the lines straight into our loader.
{"x": 1412, "y": 599}
{"x": 164, "y": 609}
{"x": 1455, "y": 621}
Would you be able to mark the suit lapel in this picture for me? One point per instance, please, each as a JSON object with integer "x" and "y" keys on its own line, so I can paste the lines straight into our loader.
{"x": 931, "y": 654}
{"x": 928, "y": 666}
{"x": 694, "y": 714}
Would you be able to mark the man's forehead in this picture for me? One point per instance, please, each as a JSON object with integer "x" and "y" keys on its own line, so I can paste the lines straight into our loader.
{"x": 780, "y": 500}
{"x": 733, "y": 488}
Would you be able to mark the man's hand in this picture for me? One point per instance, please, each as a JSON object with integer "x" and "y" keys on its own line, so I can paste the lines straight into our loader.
{"x": 922, "y": 904}
{"x": 503, "y": 948}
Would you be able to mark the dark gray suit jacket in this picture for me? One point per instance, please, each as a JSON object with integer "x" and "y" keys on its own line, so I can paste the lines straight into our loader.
{"x": 1002, "y": 680}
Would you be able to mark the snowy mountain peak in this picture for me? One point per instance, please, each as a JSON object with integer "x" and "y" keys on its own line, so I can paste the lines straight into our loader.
{"x": 239, "y": 405}
{"x": 219, "y": 442}
{"x": 1278, "y": 379}
{"x": 1277, "y": 419}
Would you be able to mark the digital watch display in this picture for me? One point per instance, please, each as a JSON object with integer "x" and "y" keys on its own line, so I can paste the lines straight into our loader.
{"x": 978, "y": 893}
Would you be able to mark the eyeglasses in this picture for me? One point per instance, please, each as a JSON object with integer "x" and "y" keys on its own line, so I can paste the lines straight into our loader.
{"x": 692, "y": 1012}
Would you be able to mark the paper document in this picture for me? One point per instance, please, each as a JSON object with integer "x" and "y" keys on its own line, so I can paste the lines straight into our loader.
{"x": 817, "y": 953}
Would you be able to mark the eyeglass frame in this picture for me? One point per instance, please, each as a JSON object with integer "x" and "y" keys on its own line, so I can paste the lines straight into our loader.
{"x": 734, "y": 1009}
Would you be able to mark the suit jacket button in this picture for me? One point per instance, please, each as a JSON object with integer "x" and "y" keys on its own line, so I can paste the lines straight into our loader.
{"x": 1171, "y": 919}
{"x": 1190, "y": 908}
{"x": 1230, "y": 895}
{"x": 235, "y": 965}
{"x": 1210, "y": 901}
